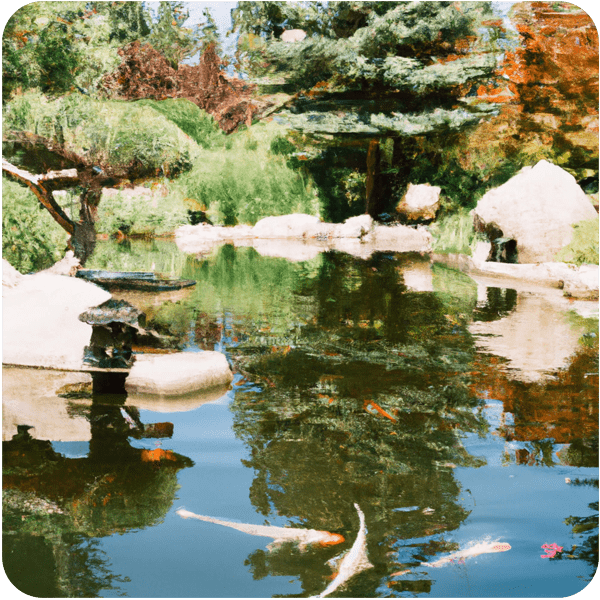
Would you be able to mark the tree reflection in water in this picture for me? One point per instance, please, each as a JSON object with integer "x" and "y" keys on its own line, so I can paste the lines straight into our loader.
{"x": 358, "y": 389}
{"x": 368, "y": 407}
{"x": 54, "y": 505}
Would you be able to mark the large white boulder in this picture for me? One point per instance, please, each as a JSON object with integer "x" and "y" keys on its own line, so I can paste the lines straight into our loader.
{"x": 420, "y": 202}
{"x": 537, "y": 208}
{"x": 180, "y": 373}
{"x": 10, "y": 276}
{"x": 40, "y": 320}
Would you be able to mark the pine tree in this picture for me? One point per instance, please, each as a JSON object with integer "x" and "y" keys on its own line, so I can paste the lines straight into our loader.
{"x": 398, "y": 67}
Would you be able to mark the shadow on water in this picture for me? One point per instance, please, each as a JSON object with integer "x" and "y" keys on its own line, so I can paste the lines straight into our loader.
{"x": 359, "y": 381}
{"x": 56, "y": 507}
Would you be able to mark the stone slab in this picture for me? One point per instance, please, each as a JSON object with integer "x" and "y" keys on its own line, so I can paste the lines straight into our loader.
{"x": 175, "y": 374}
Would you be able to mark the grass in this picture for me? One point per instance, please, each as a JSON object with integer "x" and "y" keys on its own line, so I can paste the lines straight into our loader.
{"x": 245, "y": 181}
{"x": 583, "y": 248}
{"x": 453, "y": 233}
{"x": 120, "y": 136}
{"x": 193, "y": 121}
{"x": 31, "y": 239}
{"x": 151, "y": 213}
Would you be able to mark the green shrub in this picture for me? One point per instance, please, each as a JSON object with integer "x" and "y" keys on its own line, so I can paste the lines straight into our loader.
{"x": 453, "y": 233}
{"x": 281, "y": 145}
{"x": 31, "y": 239}
{"x": 583, "y": 248}
{"x": 146, "y": 214}
{"x": 111, "y": 134}
{"x": 193, "y": 121}
{"x": 244, "y": 182}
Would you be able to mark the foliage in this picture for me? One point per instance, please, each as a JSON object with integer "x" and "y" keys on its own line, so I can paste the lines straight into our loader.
{"x": 583, "y": 248}
{"x": 193, "y": 121}
{"x": 170, "y": 37}
{"x": 453, "y": 233}
{"x": 245, "y": 182}
{"x": 115, "y": 136}
{"x": 377, "y": 70}
{"x": 62, "y": 46}
{"x": 143, "y": 215}
{"x": 30, "y": 240}
{"x": 354, "y": 43}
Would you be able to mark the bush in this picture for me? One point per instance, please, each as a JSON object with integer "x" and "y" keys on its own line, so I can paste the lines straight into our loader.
{"x": 244, "y": 182}
{"x": 583, "y": 248}
{"x": 453, "y": 233}
{"x": 149, "y": 213}
{"x": 117, "y": 136}
{"x": 31, "y": 239}
{"x": 193, "y": 121}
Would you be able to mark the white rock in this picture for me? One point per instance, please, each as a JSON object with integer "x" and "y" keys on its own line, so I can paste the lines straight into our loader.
{"x": 583, "y": 283}
{"x": 67, "y": 266}
{"x": 537, "y": 208}
{"x": 481, "y": 252}
{"x": 40, "y": 320}
{"x": 293, "y": 35}
{"x": 420, "y": 201}
{"x": 10, "y": 276}
{"x": 354, "y": 227}
{"x": 285, "y": 226}
{"x": 180, "y": 373}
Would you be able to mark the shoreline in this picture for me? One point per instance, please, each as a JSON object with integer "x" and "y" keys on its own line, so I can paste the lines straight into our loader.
{"x": 303, "y": 237}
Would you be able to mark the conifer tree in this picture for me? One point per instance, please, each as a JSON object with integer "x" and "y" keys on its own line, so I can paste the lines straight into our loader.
{"x": 397, "y": 67}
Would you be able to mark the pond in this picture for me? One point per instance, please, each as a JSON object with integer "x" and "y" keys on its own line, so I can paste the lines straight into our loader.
{"x": 454, "y": 415}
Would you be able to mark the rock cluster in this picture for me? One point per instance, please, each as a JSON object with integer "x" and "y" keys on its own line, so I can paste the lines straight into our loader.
{"x": 44, "y": 325}
{"x": 300, "y": 237}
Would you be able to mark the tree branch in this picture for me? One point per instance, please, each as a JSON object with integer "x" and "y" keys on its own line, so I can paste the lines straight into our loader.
{"x": 41, "y": 185}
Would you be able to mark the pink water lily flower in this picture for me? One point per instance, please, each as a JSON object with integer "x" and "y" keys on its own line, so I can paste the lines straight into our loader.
{"x": 551, "y": 550}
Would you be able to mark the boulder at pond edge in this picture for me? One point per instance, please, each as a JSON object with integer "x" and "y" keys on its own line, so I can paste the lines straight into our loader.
{"x": 537, "y": 208}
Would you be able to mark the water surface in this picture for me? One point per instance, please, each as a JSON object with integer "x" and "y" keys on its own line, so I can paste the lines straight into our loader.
{"x": 450, "y": 412}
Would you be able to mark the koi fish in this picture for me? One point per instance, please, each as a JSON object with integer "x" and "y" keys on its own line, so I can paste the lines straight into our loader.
{"x": 476, "y": 550}
{"x": 354, "y": 561}
{"x": 304, "y": 537}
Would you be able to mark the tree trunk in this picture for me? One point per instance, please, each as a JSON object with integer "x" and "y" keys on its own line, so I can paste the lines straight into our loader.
{"x": 83, "y": 233}
{"x": 372, "y": 184}
{"x": 41, "y": 186}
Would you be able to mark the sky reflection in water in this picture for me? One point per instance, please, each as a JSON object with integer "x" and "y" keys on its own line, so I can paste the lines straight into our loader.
{"x": 451, "y": 413}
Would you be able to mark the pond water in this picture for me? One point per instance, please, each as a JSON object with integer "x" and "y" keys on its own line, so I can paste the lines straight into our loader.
{"x": 448, "y": 412}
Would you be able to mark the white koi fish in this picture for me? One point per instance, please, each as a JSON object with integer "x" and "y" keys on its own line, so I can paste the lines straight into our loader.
{"x": 475, "y": 550}
{"x": 354, "y": 561}
{"x": 304, "y": 537}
